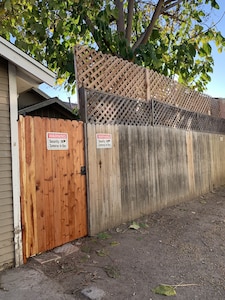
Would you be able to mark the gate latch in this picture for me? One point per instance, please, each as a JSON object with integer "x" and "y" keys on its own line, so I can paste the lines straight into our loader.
{"x": 83, "y": 170}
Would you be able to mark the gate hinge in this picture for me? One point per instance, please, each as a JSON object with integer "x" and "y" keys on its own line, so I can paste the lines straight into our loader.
{"x": 83, "y": 170}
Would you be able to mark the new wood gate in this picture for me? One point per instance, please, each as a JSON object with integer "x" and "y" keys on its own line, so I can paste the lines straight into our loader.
{"x": 53, "y": 188}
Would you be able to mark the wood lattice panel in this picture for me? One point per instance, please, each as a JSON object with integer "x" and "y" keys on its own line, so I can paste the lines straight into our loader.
{"x": 171, "y": 116}
{"x": 169, "y": 91}
{"x": 105, "y": 108}
{"x": 103, "y": 72}
{"x": 109, "y": 74}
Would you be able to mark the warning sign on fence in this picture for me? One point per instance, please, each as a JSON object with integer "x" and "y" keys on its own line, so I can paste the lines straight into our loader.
{"x": 57, "y": 140}
{"x": 103, "y": 140}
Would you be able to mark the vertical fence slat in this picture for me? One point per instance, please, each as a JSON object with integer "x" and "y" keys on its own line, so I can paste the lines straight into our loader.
{"x": 40, "y": 195}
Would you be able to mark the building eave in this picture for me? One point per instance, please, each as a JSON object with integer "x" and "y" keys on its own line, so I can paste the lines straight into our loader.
{"x": 26, "y": 63}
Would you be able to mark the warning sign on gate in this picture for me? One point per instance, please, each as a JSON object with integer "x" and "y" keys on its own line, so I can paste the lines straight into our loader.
{"x": 104, "y": 140}
{"x": 57, "y": 140}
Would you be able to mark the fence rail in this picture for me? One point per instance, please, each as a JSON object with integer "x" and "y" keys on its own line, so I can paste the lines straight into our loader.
{"x": 104, "y": 108}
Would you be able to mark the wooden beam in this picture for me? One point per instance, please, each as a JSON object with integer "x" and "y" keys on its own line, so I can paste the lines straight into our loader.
{"x": 15, "y": 164}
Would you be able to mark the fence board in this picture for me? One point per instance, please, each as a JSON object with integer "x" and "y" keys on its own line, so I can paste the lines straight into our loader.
{"x": 48, "y": 193}
{"x": 80, "y": 183}
{"x": 103, "y": 163}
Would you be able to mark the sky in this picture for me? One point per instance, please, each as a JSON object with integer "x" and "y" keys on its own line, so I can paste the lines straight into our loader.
{"x": 216, "y": 88}
{"x": 58, "y": 92}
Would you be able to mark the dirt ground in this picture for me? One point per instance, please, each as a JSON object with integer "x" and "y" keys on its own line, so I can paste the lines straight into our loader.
{"x": 182, "y": 246}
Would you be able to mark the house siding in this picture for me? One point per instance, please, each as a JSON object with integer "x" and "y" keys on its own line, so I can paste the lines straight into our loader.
{"x": 6, "y": 200}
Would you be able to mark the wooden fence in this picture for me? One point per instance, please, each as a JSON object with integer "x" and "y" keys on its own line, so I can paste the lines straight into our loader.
{"x": 53, "y": 190}
{"x": 148, "y": 168}
{"x": 103, "y": 108}
{"x": 110, "y": 74}
{"x": 140, "y": 165}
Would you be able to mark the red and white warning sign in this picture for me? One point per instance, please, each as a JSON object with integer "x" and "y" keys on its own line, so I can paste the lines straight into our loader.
{"x": 57, "y": 140}
{"x": 103, "y": 140}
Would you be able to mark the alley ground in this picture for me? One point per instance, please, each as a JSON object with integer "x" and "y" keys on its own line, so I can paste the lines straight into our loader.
{"x": 182, "y": 246}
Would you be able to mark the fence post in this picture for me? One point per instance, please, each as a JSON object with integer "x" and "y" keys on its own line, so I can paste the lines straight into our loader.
{"x": 82, "y": 100}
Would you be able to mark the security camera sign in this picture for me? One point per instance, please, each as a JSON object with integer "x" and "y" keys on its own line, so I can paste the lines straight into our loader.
{"x": 103, "y": 140}
{"x": 57, "y": 140}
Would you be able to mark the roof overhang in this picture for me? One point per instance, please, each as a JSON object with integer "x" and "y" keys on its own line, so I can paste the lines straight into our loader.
{"x": 54, "y": 103}
{"x": 45, "y": 104}
{"x": 30, "y": 72}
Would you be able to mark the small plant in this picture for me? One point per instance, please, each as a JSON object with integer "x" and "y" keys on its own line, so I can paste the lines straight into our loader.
{"x": 85, "y": 249}
{"x": 104, "y": 236}
{"x": 114, "y": 243}
{"x": 84, "y": 258}
{"x": 112, "y": 271}
{"x": 143, "y": 225}
{"x": 102, "y": 252}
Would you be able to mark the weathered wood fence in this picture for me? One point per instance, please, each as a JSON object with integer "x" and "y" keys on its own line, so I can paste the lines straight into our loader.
{"x": 148, "y": 168}
{"x": 165, "y": 145}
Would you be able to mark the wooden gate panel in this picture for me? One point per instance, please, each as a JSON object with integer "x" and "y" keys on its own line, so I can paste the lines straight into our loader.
{"x": 53, "y": 191}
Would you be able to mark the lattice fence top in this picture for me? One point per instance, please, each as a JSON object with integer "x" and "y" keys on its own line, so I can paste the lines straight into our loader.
{"x": 103, "y": 72}
{"x": 110, "y": 109}
{"x": 169, "y": 91}
{"x": 103, "y": 108}
{"x": 171, "y": 116}
{"x": 110, "y": 74}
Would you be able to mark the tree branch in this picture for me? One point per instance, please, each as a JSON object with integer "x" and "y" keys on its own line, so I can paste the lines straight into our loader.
{"x": 145, "y": 36}
{"x": 130, "y": 14}
{"x": 93, "y": 30}
{"x": 120, "y": 20}
{"x": 168, "y": 5}
{"x": 90, "y": 24}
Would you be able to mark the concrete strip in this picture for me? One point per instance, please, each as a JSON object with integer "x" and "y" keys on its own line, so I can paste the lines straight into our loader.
{"x": 46, "y": 257}
{"x": 23, "y": 284}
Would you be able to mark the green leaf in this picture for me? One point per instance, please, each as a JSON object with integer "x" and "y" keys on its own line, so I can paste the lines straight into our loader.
{"x": 215, "y": 4}
{"x": 155, "y": 34}
{"x": 134, "y": 226}
{"x": 207, "y": 48}
{"x": 104, "y": 236}
{"x": 102, "y": 253}
{"x": 114, "y": 243}
{"x": 166, "y": 290}
{"x": 192, "y": 50}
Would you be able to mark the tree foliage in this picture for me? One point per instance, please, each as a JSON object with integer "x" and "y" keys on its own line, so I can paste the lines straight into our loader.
{"x": 173, "y": 37}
